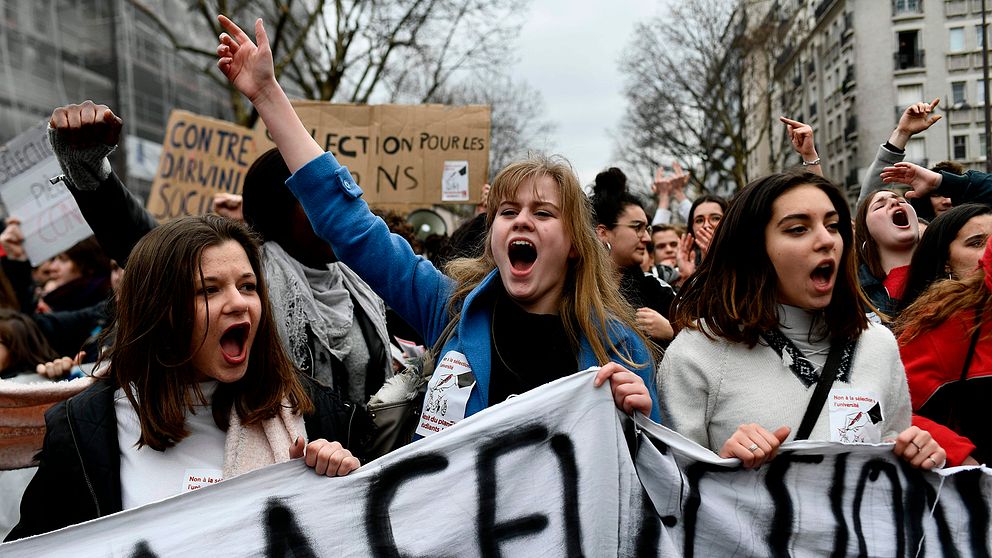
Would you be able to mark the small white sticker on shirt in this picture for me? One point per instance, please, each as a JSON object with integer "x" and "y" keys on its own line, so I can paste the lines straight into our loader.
{"x": 447, "y": 394}
{"x": 198, "y": 478}
{"x": 855, "y": 416}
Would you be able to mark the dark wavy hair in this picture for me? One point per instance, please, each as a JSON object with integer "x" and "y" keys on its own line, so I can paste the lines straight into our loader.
{"x": 89, "y": 258}
{"x": 151, "y": 355}
{"x": 735, "y": 288}
{"x": 932, "y": 253}
{"x": 26, "y": 344}
{"x": 610, "y": 197}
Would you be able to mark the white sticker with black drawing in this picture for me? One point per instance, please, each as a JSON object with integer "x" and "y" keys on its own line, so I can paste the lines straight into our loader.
{"x": 855, "y": 416}
{"x": 447, "y": 394}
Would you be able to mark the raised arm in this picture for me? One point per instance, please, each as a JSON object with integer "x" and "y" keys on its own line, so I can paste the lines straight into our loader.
{"x": 332, "y": 200}
{"x": 249, "y": 68}
{"x": 917, "y": 118}
{"x": 801, "y": 137}
{"x": 82, "y": 136}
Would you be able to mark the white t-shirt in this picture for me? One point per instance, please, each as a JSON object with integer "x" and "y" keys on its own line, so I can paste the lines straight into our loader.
{"x": 148, "y": 475}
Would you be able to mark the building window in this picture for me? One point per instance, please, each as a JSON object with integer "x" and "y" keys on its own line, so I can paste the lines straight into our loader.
{"x": 958, "y": 93}
{"x": 960, "y": 148}
{"x": 916, "y": 151}
{"x": 955, "y": 42}
{"x": 981, "y": 146}
{"x": 980, "y": 92}
{"x": 909, "y": 54}
{"x": 979, "y": 37}
{"x": 908, "y": 94}
{"x": 903, "y": 7}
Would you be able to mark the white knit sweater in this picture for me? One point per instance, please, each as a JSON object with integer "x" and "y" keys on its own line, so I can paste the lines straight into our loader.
{"x": 709, "y": 387}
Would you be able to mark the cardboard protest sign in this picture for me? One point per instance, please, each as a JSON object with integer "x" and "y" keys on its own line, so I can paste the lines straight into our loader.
{"x": 50, "y": 219}
{"x": 404, "y": 156}
{"x": 201, "y": 156}
{"x": 557, "y": 472}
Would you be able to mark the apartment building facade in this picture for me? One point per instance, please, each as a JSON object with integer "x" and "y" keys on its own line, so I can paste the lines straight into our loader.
{"x": 850, "y": 67}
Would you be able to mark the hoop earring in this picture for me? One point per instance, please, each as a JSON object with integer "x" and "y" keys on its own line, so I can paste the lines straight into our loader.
{"x": 609, "y": 247}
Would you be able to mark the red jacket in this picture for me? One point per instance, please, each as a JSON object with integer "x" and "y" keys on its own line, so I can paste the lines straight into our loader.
{"x": 955, "y": 415}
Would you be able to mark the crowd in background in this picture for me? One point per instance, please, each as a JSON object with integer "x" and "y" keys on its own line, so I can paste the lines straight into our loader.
{"x": 231, "y": 341}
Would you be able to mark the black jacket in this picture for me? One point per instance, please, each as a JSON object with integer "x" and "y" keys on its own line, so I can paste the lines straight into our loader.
{"x": 78, "y": 477}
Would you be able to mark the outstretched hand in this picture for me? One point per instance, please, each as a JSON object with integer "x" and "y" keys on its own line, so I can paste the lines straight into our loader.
{"x": 666, "y": 184}
{"x": 87, "y": 124}
{"x": 629, "y": 392}
{"x": 918, "y": 117}
{"x": 922, "y": 181}
{"x": 248, "y": 67}
{"x": 685, "y": 257}
{"x": 801, "y": 136}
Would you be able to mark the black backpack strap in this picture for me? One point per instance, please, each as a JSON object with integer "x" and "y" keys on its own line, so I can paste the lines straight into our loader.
{"x": 974, "y": 343}
{"x": 822, "y": 389}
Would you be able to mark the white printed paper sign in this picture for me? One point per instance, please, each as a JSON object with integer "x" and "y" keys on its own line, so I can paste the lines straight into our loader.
{"x": 50, "y": 219}
{"x": 454, "y": 181}
{"x": 447, "y": 394}
{"x": 854, "y": 416}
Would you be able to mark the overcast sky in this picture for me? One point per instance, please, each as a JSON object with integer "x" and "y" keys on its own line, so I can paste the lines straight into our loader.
{"x": 570, "y": 52}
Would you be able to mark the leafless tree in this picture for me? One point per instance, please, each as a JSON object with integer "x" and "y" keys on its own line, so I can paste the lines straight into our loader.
{"x": 519, "y": 123}
{"x": 362, "y": 50}
{"x": 685, "y": 92}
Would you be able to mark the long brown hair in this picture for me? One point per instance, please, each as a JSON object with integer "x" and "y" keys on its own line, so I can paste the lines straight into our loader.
{"x": 735, "y": 289}
{"x": 151, "y": 356}
{"x": 26, "y": 344}
{"x": 590, "y": 306}
{"x": 942, "y": 300}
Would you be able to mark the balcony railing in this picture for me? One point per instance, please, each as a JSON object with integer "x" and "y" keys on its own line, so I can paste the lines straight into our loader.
{"x": 955, "y": 7}
{"x": 901, "y": 8}
{"x": 909, "y": 60}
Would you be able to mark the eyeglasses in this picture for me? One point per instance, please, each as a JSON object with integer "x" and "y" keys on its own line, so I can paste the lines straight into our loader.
{"x": 638, "y": 227}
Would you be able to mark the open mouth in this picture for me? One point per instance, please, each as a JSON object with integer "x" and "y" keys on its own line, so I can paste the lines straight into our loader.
{"x": 823, "y": 274}
{"x": 522, "y": 255}
{"x": 900, "y": 218}
{"x": 234, "y": 341}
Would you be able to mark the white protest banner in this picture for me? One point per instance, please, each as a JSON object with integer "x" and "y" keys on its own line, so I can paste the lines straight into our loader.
{"x": 50, "y": 219}
{"x": 547, "y": 473}
{"x": 550, "y": 473}
{"x": 814, "y": 499}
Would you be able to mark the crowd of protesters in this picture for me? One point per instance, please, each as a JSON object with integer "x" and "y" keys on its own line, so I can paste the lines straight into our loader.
{"x": 232, "y": 341}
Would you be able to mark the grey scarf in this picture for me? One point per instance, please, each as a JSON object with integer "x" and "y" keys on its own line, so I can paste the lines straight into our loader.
{"x": 302, "y": 296}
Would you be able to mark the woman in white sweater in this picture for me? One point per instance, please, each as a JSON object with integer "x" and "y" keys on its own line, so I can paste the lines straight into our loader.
{"x": 777, "y": 295}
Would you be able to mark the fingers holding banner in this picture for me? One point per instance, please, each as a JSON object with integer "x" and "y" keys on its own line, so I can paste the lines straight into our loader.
{"x": 754, "y": 445}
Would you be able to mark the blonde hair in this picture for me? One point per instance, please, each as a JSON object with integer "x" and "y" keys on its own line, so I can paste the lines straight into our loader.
{"x": 590, "y": 304}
